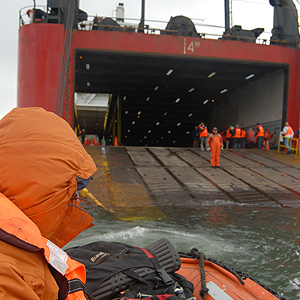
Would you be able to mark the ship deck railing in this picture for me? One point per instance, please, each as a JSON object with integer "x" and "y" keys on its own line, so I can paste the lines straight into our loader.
{"x": 295, "y": 144}
{"x": 152, "y": 27}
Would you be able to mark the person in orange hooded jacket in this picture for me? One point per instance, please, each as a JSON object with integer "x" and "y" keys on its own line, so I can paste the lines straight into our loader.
{"x": 215, "y": 144}
{"x": 42, "y": 166}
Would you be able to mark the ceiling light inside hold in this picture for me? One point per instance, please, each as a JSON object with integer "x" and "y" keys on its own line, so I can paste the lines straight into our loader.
{"x": 149, "y": 131}
{"x": 124, "y": 98}
{"x": 128, "y": 130}
{"x": 188, "y": 132}
{"x": 169, "y": 131}
{"x": 165, "y": 113}
{"x": 249, "y": 76}
{"x": 126, "y": 112}
{"x": 190, "y": 115}
{"x": 157, "y": 124}
{"x": 148, "y": 98}
{"x": 169, "y": 72}
{"x": 177, "y": 100}
{"x": 223, "y": 91}
{"x": 205, "y": 101}
{"x": 156, "y": 88}
{"x": 178, "y": 124}
{"x": 139, "y": 112}
{"x": 133, "y": 122}
{"x": 88, "y": 84}
{"x": 212, "y": 74}
{"x": 87, "y": 66}
{"x": 191, "y": 90}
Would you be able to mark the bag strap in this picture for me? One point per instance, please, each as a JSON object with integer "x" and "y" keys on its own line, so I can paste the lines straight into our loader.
{"x": 134, "y": 275}
{"x": 160, "y": 270}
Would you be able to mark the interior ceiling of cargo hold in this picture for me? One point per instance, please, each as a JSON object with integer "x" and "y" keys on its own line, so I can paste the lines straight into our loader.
{"x": 162, "y": 97}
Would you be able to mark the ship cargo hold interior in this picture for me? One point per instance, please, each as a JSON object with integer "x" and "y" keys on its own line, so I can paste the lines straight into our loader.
{"x": 162, "y": 98}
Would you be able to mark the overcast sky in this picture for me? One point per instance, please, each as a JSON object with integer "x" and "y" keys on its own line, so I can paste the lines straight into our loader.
{"x": 249, "y": 14}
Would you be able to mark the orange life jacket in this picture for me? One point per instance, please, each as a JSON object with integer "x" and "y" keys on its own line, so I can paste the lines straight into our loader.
{"x": 18, "y": 230}
{"x": 261, "y": 131}
{"x": 228, "y": 133}
{"x": 238, "y": 132}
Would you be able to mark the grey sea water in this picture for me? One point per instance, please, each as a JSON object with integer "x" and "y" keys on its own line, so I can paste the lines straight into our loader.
{"x": 264, "y": 242}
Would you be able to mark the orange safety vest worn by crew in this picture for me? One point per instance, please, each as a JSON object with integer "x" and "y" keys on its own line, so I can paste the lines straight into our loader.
{"x": 238, "y": 132}
{"x": 243, "y": 134}
{"x": 228, "y": 133}
{"x": 289, "y": 130}
{"x": 261, "y": 131}
{"x": 203, "y": 131}
{"x": 215, "y": 143}
{"x": 266, "y": 135}
{"x": 71, "y": 275}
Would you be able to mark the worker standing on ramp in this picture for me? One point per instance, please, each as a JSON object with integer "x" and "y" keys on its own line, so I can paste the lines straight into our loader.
{"x": 229, "y": 135}
{"x": 215, "y": 143}
{"x": 259, "y": 134}
{"x": 203, "y": 136}
{"x": 288, "y": 134}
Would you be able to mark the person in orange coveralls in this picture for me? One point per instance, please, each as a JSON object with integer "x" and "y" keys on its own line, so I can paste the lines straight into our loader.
{"x": 42, "y": 166}
{"x": 215, "y": 144}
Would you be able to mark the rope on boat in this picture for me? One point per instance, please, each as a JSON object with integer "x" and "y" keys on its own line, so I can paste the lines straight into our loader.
{"x": 240, "y": 275}
{"x": 229, "y": 268}
{"x": 200, "y": 256}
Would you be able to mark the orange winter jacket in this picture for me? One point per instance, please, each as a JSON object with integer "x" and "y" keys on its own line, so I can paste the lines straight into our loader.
{"x": 40, "y": 158}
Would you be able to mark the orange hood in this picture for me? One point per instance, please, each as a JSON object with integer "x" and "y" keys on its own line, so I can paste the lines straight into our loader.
{"x": 40, "y": 157}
